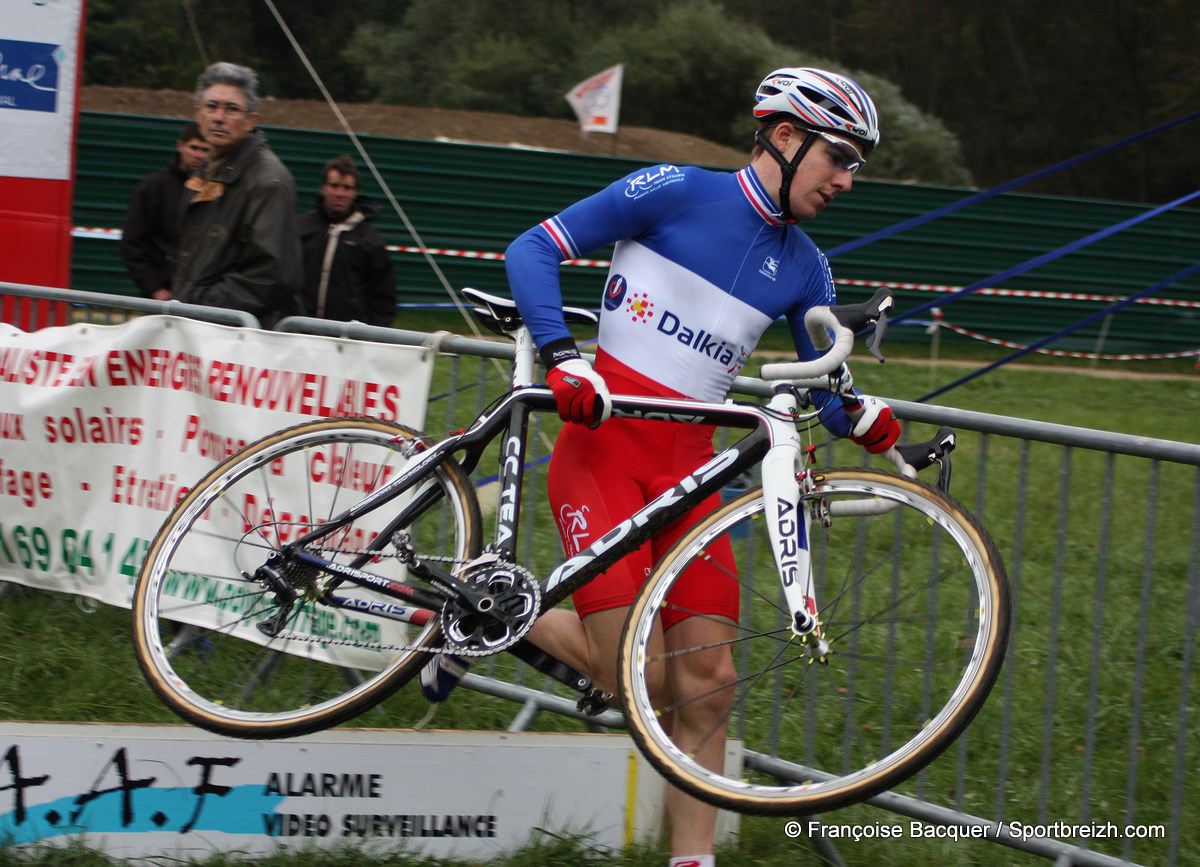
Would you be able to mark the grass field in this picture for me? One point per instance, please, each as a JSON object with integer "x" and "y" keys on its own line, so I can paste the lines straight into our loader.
{"x": 1065, "y": 558}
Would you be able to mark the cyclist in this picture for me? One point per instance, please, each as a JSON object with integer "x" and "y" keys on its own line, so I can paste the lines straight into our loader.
{"x": 704, "y": 262}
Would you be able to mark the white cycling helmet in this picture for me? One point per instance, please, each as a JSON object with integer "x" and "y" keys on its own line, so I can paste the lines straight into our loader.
{"x": 820, "y": 100}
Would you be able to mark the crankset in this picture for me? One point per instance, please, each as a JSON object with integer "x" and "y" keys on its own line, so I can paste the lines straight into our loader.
{"x": 503, "y": 605}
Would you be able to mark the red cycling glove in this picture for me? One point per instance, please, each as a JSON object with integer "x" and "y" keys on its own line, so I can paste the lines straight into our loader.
{"x": 875, "y": 429}
{"x": 580, "y": 392}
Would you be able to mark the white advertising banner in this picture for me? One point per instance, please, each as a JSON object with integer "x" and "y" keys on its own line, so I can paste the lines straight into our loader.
{"x": 39, "y": 63}
{"x": 597, "y": 100}
{"x": 178, "y": 792}
{"x": 103, "y": 428}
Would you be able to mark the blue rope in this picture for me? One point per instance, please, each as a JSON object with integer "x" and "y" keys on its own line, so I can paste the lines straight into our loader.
{"x": 1047, "y": 257}
{"x": 1003, "y": 188}
{"x": 1112, "y": 308}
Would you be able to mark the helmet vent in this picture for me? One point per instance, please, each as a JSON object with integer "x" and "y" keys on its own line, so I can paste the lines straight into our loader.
{"x": 819, "y": 99}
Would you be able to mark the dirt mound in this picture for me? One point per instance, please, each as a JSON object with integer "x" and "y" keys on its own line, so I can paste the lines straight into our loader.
{"x": 401, "y": 121}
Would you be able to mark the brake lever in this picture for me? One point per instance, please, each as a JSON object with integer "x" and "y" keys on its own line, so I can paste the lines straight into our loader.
{"x": 875, "y": 338}
{"x": 859, "y": 317}
{"x": 934, "y": 451}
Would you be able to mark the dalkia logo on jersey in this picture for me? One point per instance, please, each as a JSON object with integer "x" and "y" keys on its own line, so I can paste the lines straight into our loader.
{"x": 640, "y": 307}
{"x": 699, "y": 340}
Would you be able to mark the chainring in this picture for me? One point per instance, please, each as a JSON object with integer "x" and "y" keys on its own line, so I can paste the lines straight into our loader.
{"x": 512, "y": 600}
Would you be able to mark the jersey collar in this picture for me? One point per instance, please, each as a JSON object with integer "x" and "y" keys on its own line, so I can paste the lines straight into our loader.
{"x": 758, "y": 197}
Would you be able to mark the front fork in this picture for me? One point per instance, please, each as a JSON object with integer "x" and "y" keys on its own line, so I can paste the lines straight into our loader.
{"x": 789, "y": 521}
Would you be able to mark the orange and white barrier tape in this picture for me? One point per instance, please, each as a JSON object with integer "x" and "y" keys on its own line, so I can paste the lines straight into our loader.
{"x": 1065, "y": 354}
{"x": 115, "y": 235}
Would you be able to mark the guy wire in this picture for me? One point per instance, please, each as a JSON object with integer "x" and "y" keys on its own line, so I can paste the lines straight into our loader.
{"x": 362, "y": 152}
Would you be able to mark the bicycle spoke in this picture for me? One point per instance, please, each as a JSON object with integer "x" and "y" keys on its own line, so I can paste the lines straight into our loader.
{"x": 267, "y": 656}
{"x": 904, "y": 652}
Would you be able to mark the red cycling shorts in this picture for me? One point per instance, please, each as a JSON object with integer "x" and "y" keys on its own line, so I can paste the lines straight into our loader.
{"x": 598, "y": 478}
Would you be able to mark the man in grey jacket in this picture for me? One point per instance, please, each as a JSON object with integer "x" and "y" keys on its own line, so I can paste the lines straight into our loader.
{"x": 238, "y": 245}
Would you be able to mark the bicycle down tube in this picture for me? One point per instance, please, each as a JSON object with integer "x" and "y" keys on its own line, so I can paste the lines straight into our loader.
{"x": 767, "y": 426}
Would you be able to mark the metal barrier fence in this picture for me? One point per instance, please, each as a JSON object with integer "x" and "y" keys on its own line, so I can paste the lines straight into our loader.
{"x": 1101, "y": 536}
{"x": 1093, "y": 726}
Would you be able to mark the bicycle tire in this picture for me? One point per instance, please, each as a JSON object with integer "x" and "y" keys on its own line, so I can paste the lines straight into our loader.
{"x": 197, "y": 601}
{"x": 915, "y": 608}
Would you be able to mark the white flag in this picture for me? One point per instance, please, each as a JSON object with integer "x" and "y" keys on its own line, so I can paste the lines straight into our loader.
{"x": 597, "y": 100}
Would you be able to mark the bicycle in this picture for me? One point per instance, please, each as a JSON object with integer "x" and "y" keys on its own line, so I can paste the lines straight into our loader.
{"x": 311, "y": 576}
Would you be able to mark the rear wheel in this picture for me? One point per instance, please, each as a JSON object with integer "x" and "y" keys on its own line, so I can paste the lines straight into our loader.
{"x": 914, "y": 613}
{"x": 239, "y": 639}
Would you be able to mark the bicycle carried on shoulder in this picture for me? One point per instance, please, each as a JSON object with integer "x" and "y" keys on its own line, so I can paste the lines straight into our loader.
{"x": 314, "y": 573}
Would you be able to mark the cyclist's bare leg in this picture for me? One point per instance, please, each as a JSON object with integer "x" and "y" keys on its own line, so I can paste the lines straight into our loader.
{"x": 560, "y": 633}
{"x": 591, "y": 646}
{"x": 699, "y": 725}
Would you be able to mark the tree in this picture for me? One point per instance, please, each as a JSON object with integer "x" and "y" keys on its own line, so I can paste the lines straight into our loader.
{"x": 1023, "y": 89}
{"x": 485, "y": 56}
{"x": 143, "y": 46}
{"x": 1019, "y": 88}
{"x": 688, "y": 68}
{"x": 167, "y": 43}
{"x": 692, "y": 55}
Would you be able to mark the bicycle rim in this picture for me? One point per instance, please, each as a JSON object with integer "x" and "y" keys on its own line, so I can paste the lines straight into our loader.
{"x": 914, "y": 606}
{"x": 199, "y": 611}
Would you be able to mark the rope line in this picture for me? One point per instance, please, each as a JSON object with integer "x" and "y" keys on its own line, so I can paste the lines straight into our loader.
{"x": 1050, "y": 256}
{"x": 1062, "y": 353}
{"x": 362, "y": 152}
{"x": 921, "y": 219}
{"x": 1100, "y": 314}
{"x": 96, "y": 233}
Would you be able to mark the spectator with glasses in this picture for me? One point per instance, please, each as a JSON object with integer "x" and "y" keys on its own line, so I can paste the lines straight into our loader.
{"x": 238, "y": 246}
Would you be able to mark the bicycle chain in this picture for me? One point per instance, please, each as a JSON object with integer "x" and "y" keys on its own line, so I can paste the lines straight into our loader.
{"x": 371, "y": 646}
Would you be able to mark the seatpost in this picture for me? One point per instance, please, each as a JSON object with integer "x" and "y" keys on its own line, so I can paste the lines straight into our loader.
{"x": 524, "y": 358}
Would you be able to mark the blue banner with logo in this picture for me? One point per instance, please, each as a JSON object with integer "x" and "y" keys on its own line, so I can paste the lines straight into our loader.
{"x": 29, "y": 75}
{"x": 39, "y": 72}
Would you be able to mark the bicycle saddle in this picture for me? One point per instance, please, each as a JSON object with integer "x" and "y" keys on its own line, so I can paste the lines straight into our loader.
{"x": 500, "y": 314}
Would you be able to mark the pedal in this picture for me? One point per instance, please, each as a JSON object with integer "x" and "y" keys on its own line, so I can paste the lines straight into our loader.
{"x": 594, "y": 702}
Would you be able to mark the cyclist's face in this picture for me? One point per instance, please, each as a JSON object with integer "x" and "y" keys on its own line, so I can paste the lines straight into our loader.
{"x": 821, "y": 175}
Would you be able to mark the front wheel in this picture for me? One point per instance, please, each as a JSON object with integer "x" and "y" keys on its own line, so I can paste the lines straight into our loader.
{"x": 239, "y": 635}
{"x": 914, "y": 613}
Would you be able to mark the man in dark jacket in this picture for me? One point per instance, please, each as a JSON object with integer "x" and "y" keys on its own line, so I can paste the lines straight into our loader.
{"x": 348, "y": 273}
{"x": 151, "y": 232}
{"x": 238, "y": 246}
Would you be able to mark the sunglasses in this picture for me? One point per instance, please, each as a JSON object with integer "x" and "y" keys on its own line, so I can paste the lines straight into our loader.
{"x": 847, "y": 157}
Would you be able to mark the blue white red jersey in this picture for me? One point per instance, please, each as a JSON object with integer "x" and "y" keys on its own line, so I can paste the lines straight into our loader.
{"x": 703, "y": 263}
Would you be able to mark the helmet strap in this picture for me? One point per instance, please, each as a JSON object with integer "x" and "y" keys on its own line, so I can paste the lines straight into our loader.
{"x": 787, "y": 169}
